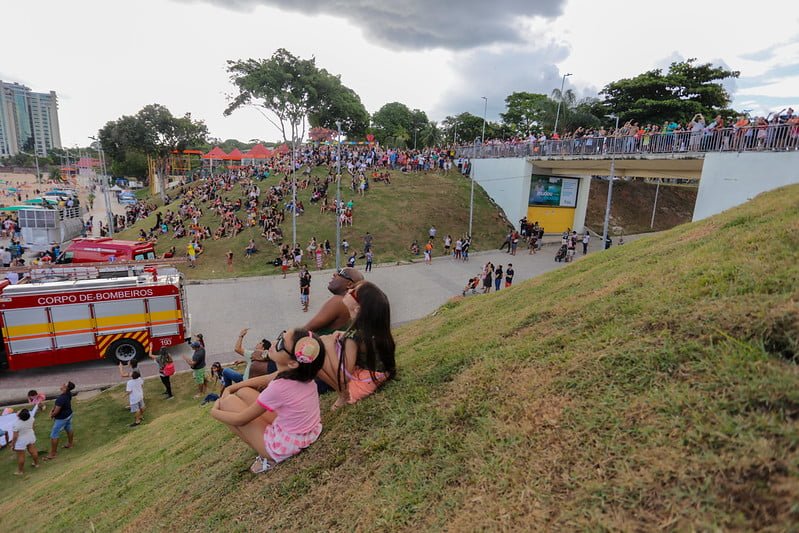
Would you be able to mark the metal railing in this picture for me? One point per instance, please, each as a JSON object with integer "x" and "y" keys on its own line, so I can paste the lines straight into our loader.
{"x": 775, "y": 137}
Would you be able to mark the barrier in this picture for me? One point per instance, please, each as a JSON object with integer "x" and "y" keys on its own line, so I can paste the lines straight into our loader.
{"x": 774, "y": 137}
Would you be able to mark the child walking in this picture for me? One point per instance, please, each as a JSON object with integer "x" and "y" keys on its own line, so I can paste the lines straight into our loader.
{"x": 135, "y": 390}
{"x": 24, "y": 439}
{"x": 284, "y": 419}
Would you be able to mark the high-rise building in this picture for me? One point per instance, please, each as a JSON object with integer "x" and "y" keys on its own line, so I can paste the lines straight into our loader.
{"x": 28, "y": 120}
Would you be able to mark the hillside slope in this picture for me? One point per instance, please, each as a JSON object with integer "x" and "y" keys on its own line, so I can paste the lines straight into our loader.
{"x": 651, "y": 386}
{"x": 394, "y": 214}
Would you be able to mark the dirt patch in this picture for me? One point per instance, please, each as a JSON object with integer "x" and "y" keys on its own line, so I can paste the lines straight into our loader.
{"x": 632, "y": 206}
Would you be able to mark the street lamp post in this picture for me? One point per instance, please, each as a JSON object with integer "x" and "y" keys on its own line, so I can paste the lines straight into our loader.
{"x": 414, "y": 138}
{"x": 338, "y": 197}
{"x": 104, "y": 184}
{"x": 293, "y": 186}
{"x": 36, "y": 161}
{"x": 482, "y": 143}
{"x": 610, "y": 189}
{"x": 557, "y": 113}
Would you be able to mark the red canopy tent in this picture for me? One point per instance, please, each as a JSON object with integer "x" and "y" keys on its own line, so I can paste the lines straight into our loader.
{"x": 216, "y": 153}
{"x": 259, "y": 151}
{"x": 235, "y": 155}
{"x": 283, "y": 149}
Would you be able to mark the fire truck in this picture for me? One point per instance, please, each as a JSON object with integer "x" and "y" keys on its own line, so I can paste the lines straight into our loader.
{"x": 61, "y": 314}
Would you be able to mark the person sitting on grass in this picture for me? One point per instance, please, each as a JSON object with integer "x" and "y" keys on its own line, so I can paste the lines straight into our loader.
{"x": 24, "y": 439}
{"x": 285, "y": 418}
{"x": 364, "y": 354}
{"x": 257, "y": 354}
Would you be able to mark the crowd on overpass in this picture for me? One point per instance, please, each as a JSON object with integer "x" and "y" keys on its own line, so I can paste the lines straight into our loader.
{"x": 776, "y": 131}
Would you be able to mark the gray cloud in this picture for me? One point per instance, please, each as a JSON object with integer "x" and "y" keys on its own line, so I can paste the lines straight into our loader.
{"x": 770, "y": 52}
{"x": 420, "y": 24}
{"x": 496, "y": 74}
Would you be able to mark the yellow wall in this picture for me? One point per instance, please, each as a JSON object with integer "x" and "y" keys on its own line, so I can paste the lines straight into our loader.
{"x": 554, "y": 219}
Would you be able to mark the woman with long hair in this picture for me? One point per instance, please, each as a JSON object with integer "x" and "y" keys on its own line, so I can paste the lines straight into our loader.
{"x": 364, "y": 353}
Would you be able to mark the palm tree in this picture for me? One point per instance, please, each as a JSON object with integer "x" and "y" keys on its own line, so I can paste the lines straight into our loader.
{"x": 432, "y": 135}
{"x": 573, "y": 112}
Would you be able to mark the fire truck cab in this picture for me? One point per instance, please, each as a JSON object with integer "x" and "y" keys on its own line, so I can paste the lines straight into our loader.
{"x": 105, "y": 250}
{"x": 93, "y": 316}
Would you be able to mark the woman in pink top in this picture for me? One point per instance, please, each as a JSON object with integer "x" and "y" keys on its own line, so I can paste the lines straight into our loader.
{"x": 284, "y": 418}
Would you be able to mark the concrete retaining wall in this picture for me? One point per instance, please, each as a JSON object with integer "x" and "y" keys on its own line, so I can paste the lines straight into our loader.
{"x": 730, "y": 179}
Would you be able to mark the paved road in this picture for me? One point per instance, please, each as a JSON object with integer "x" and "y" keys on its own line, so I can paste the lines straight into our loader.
{"x": 267, "y": 305}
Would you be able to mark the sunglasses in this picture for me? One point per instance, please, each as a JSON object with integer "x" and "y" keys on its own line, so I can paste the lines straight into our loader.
{"x": 280, "y": 344}
{"x": 343, "y": 273}
{"x": 354, "y": 295}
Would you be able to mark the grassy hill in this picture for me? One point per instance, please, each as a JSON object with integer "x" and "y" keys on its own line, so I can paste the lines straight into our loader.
{"x": 394, "y": 214}
{"x": 653, "y": 386}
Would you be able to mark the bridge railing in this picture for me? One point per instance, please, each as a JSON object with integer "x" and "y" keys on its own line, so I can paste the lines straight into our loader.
{"x": 746, "y": 139}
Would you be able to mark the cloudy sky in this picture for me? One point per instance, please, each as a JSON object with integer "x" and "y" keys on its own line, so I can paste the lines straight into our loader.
{"x": 106, "y": 58}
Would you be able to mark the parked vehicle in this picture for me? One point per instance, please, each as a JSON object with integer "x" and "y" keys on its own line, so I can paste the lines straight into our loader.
{"x": 119, "y": 318}
{"x": 105, "y": 250}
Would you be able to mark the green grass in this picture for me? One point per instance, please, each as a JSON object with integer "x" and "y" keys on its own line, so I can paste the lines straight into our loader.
{"x": 653, "y": 386}
{"x": 394, "y": 214}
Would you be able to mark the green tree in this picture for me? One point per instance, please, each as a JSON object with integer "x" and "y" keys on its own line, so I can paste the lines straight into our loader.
{"x": 154, "y": 132}
{"x": 289, "y": 91}
{"x": 338, "y": 103}
{"x": 432, "y": 135}
{"x": 686, "y": 89}
{"x": 394, "y": 123}
{"x": 467, "y": 127}
{"x": 525, "y": 112}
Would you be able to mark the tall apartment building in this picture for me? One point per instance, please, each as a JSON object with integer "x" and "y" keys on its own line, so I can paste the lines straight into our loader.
{"x": 28, "y": 120}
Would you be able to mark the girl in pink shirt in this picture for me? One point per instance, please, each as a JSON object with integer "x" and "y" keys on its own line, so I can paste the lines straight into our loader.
{"x": 283, "y": 419}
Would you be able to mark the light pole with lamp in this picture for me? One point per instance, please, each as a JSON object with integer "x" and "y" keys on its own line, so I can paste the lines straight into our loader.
{"x": 338, "y": 197}
{"x": 293, "y": 186}
{"x": 414, "y": 137}
{"x": 36, "y": 161}
{"x": 610, "y": 190}
{"x": 104, "y": 184}
{"x": 557, "y": 113}
{"x": 482, "y": 143}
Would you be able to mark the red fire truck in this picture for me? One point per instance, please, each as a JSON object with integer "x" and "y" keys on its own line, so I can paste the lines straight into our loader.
{"x": 117, "y": 312}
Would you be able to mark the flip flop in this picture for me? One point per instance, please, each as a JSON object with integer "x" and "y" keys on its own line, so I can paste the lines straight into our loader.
{"x": 68, "y": 446}
{"x": 19, "y": 473}
{"x": 260, "y": 465}
{"x": 48, "y": 458}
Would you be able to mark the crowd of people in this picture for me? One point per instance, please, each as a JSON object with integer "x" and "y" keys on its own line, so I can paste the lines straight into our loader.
{"x": 775, "y": 131}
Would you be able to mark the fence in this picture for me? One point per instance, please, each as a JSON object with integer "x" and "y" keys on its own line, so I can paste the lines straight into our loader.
{"x": 747, "y": 139}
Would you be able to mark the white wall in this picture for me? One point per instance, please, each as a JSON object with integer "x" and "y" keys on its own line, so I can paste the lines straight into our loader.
{"x": 507, "y": 181}
{"x": 730, "y": 179}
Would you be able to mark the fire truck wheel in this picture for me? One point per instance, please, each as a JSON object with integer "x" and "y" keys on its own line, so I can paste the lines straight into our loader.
{"x": 124, "y": 350}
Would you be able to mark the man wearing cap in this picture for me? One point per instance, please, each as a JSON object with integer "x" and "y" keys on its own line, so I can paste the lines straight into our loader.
{"x": 334, "y": 315}
{"x": 197, "y": 364}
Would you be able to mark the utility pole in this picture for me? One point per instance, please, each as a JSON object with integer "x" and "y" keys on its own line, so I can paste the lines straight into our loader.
{"x": 610, "y": 190}
{"x": 338, "y": 197}
{"x": 557, "y": 114}
{"x": 482, "y": 143}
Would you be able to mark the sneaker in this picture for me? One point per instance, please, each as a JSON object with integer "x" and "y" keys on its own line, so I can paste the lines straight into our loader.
{"x": 134, "y": 424}
{"x": 170, "y": 397}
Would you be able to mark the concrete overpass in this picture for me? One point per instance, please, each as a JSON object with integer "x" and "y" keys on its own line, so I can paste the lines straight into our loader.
{"x": 684, "y": 166}
{"x": 554, "y": 188}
